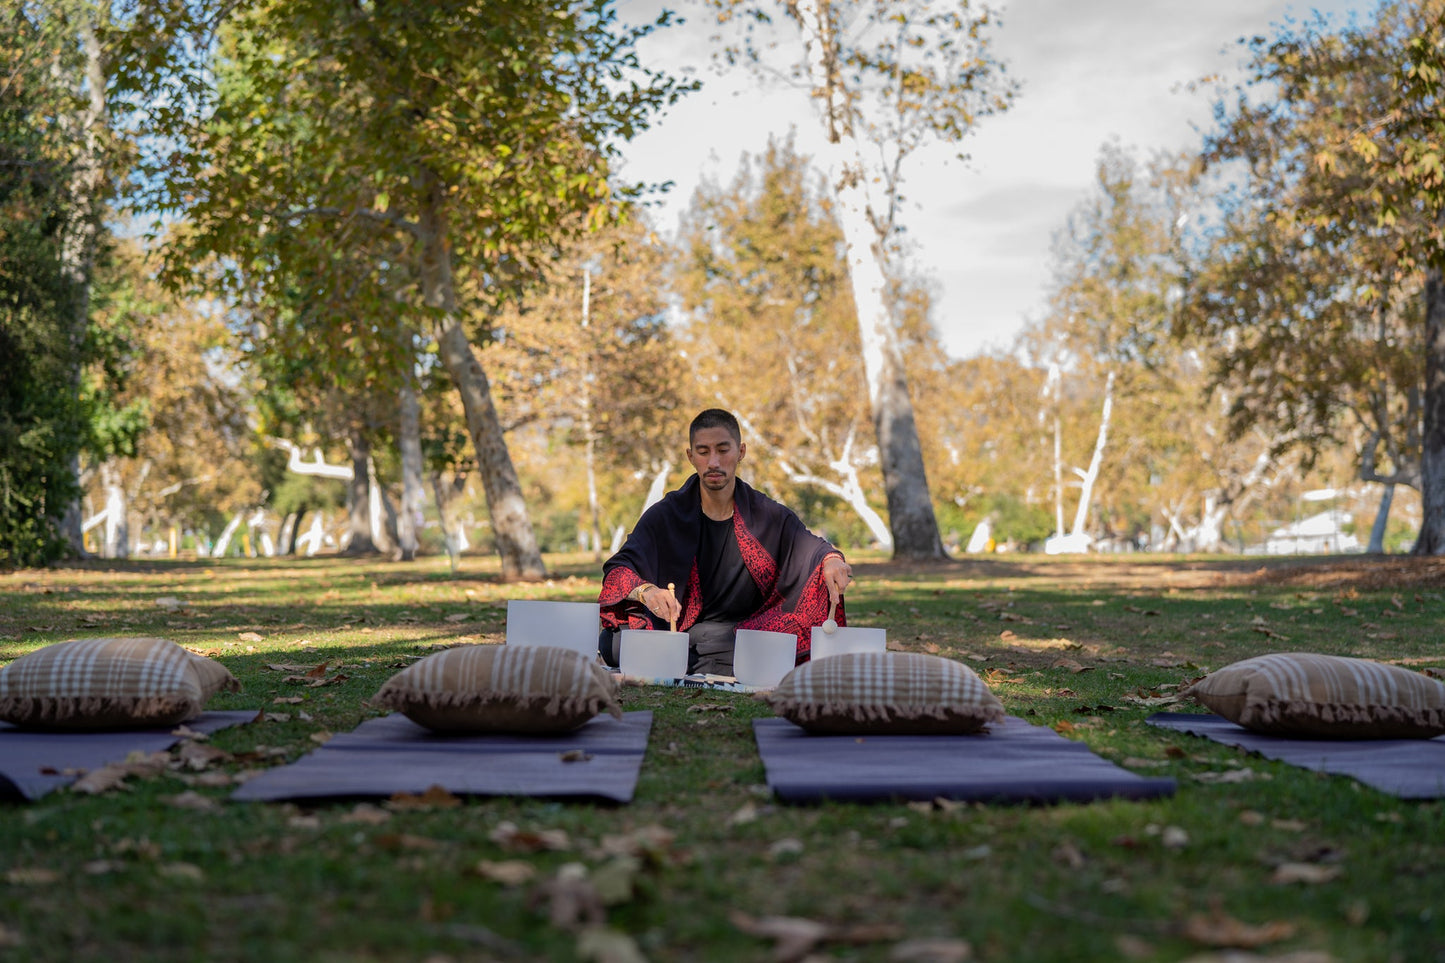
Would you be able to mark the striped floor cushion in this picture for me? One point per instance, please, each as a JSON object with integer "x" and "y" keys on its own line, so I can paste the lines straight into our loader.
{"x": 886, "y": 692}
{"x": 501, "y": 688}
{"x": 1331, "y": 696}
{"x": 111, "y": 683}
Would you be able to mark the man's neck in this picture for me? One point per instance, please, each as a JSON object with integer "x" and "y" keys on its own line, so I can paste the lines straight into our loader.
{"x": 718, "y": 505}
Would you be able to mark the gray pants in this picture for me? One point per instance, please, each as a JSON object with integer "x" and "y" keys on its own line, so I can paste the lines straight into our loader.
{"x": 710, "y": 647}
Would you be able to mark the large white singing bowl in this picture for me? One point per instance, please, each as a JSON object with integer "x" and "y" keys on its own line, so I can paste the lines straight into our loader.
{"x": 763, "y": 658}
{"x": 566, "y": 625}
{"x": 651, "y": 654}
{"x": 846, "y": 641}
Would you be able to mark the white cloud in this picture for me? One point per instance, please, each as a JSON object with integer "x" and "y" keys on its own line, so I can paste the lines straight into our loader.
{"x": 1091, "y": 70}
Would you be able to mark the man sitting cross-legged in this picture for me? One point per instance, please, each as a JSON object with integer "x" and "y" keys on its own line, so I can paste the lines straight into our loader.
{"x": 738, "y": 559}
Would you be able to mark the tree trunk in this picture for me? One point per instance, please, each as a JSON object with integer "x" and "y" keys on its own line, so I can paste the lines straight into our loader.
{"x": 1086, "y": 491}
{"x": 116, "y": 540}
{"x": 358, "y": 496}
{"x": 413, "y": 495}
{"x": 1382, "y": 520}
{"x": 1431, "y": 539}
{"x": 286, "y": 541}
{"x": 512, "y": 528}
{"x": 224, "y": 542}
{"x": 82, "y": 231}
{"x": 910, "y": 506}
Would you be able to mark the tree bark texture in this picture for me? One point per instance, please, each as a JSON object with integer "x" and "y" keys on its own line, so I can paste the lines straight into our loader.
{"x": 358, "y": 495}
{"x": 1382, "y": 521}
{"x": 910, "y": 506}
{"x": 413, "y": 494}
{"x": 511, "y": 526}
{"x": 1431, "y": 539}
{"x": 82, "y": 231}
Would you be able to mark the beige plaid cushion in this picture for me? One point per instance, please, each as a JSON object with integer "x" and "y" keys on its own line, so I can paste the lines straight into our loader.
{"x": 109, "y": 684}
{"x": 501, "y": 688}
{"x": 885, "y": 692}
{"x": 1299, "y": 693}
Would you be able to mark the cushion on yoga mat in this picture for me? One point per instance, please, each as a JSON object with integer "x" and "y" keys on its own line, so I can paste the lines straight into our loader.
{"x": 111, "y": 683}
{"x": 1013, "y": 762}
{"x": 381, "y": 757}
{"x": 501, "y": 688}
{"x": 875, "y": 692}
{"x": 34, "y": 762}
{"x": 1300, "y": 693}
{"x": 1408, "y": 768}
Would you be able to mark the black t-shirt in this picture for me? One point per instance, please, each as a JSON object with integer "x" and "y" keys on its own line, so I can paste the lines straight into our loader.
{"x": 729, "y": 593}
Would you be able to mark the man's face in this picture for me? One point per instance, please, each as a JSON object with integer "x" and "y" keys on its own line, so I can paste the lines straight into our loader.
{"x": 715, "y": 455}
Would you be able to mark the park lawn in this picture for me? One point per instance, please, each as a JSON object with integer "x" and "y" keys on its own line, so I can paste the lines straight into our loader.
{"x": 167, "y": 869}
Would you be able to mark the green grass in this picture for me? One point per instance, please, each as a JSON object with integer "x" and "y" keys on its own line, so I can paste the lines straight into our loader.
{"x": 128, "y": 875}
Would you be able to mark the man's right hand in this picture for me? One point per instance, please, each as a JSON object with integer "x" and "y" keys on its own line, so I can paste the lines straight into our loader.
{"x": 662, "y": 603}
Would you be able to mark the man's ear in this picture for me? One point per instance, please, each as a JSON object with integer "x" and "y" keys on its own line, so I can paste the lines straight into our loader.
{"x": 742, "y": 450}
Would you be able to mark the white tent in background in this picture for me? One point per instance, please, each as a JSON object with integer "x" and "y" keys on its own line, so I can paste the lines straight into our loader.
{"x": 1318, "y": 534}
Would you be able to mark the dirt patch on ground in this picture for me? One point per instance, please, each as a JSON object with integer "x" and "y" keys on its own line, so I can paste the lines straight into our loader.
{"x": 1333, "y": 572}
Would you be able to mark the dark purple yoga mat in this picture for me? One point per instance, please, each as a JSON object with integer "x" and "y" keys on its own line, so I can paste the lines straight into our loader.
{"x": 1408, "y": 768}
{"x": 34, "y": 763}
{"x": 392, "y": 754}
{"x": 1013, "y": 763}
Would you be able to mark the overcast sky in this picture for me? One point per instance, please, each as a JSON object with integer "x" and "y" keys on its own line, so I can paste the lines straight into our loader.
{"x": 1090, "y": 70}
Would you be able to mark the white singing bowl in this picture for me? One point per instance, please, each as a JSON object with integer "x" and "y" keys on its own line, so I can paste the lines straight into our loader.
{"x": 846, "y": 641}
{"x": 651, "y": 654}
{"x": 565, "y": 625}
{"x": 763, "y": 658}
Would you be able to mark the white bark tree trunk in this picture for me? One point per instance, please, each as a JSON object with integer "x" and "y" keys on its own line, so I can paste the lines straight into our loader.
{"x": 658, "y": 488}
{"x": 83, "y": 225}
{"x": 413, "y": 494}
{"x": 511, "y": 526}
{"x": 911, "y": 520}
{"x": 224, "y": 542}
{"x": 1382, "y": 521}
{"x": 1431, "y": 537}
{"x": 358, "y": 496}
{"x": 116, "y": 540}
{"x": 1086, "y": 489}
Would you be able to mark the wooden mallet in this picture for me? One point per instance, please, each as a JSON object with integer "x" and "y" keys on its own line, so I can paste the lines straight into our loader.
{"x": 671, "y": 620}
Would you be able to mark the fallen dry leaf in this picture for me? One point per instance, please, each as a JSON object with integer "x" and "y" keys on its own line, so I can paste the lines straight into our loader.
{"x": 188, "y": 871}
{"x": 786, "y": 847}
{"x": 575, "y": 755}
{"x": 31, "y": 876}
{"x": 287, "y": 700}
{"x": 436, "y": 797}
{"x": 509, "y": 872}
{"x": 746, "y": 813}
{"x": 616, "y": 880}
{"x": 1220, "y": 929}
{"x": 190, "y": 799}
{"x": 508, "y": 836}
{"x": 1310, "y": 873}
{"x": 366, "y": 814}
{"x": 458, "y": 617}
{"x": 399, "y": 842}
{"x": 1231, "y": 776}
{"x": 9, "y": 937}
{"x": 796, "y": 937}
{"x": 114, "y": 775}
{"x": 652, "y": 843}
{"x": 931, "y": 951}
{"x": 250, "y": 637}
{"x": 571, "y": 900}
{"x": 710, "y": 707}
{"x": 1068, "y": 854}
{"x": 597, "y": 944}
{"x": 198, "y": 756}
{"x": 214, "y": 779}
